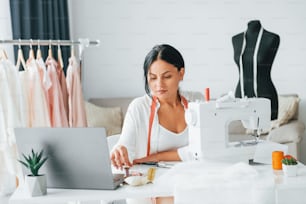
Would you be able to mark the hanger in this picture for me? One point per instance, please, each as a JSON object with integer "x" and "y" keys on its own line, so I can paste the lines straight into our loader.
{"x": 50, "y": 50}
{"x": 3, "y": 54}
{"x": 31, "y": 52}
{"x": 20, "y": 58}
{"x": 59, "y": 55}
{"x": 72, "y": 53}
{"x": 38, "y": 53}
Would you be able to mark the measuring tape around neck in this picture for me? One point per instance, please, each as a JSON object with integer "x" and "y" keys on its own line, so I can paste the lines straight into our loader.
{"x": 258, "y": 40}
{"x": 152, "y": 114}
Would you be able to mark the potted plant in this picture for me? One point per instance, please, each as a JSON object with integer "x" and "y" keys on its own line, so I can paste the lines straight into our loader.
{"x": 35, "y": 183}
{"x": 289, "y": 165}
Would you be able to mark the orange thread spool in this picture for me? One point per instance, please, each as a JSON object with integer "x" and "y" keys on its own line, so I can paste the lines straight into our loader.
{"x": 207, "y": 94}
{"x": 277, "y": 157}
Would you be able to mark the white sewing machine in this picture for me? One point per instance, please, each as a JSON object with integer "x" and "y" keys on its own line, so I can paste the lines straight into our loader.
{"x": 208, "y": 127}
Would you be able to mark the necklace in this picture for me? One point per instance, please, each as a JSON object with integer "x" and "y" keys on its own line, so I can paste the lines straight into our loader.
{"x": 258, "y": 40}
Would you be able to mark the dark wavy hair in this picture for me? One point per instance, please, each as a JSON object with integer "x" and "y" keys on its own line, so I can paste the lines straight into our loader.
{"x": 164, "y": 52}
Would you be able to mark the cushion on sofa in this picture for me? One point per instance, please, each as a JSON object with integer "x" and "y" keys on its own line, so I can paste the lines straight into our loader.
{"x": 108, "y": 117}
{"x": 287, "y": 110}
{"x": 289, "y": 132}
{"x": 122, "y": 102}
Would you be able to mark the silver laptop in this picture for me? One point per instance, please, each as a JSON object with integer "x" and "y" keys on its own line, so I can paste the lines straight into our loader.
{"x": 78, "y": 158}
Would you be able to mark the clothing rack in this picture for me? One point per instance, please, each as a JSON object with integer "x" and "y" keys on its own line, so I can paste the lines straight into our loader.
{"x": 81, "y": 42}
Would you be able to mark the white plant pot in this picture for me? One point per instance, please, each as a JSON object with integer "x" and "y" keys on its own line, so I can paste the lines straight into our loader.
{"x": 36, "y": 185}
{"x": 290, "y": 170}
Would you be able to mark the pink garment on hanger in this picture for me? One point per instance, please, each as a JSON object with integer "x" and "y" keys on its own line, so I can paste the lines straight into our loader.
{"x": 45, "y": 82}
{"x": 77, "y": 114}
{"x": 62, "y": 81}
{"x": 57, "y": 110}
{"x": 44, "y": 77}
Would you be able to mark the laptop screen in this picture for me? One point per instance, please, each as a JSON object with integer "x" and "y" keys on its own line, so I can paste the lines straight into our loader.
{"x": 78, "y": 158}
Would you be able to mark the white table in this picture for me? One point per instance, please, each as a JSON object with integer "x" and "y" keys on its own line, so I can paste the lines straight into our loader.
{"x": 79, "y": 196}
{"x": 217, "y": 183}
{"x": 283, "y": 190}
{"x": 68, "y": 195}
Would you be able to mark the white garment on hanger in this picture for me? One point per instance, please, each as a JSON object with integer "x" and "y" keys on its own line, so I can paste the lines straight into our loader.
{"x": 46, "y": 79}
{"x": 16, "y": 93}
{"x": 39, "y": 116}
{"x": 11, "y": 115}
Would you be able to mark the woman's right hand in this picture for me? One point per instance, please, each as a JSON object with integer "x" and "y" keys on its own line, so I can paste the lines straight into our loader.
{"x": 120, "y": 157}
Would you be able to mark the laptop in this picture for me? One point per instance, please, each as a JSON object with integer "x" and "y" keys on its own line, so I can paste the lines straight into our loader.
{"x": 78, "y": 158}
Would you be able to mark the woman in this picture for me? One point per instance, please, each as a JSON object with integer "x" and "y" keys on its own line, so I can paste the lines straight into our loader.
{"x": 154, "y": 127}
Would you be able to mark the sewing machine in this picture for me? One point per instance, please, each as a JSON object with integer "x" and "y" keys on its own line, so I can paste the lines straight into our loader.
{"x": 208, "y": 124}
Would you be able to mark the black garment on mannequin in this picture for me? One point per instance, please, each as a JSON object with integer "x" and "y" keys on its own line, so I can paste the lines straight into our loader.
{"x": 267, "y": 50}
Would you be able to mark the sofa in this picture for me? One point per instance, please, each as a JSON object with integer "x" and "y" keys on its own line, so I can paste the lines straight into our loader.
{"x": 286, "y": 129}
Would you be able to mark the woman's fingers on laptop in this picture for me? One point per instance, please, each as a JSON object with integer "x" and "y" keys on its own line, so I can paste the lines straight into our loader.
{"x": 113, "y": 158}
{"x": 116, "y": 160}
{"x": 119, "y": 157}
{"x": 124, "y": 156}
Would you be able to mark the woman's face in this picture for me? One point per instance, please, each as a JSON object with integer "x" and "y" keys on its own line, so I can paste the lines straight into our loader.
{"x": 163, "y": 79}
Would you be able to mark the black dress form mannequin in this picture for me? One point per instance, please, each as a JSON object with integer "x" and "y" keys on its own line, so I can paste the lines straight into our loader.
{"x": 256, "y": 77}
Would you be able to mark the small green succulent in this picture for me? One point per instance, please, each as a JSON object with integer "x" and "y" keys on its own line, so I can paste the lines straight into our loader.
{"x": 34, "y": 161}
{"x": 289, "y": 160}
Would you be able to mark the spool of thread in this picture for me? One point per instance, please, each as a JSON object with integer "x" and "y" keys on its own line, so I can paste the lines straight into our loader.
{"x": 207, "y": 94}
{"x": 127, "y": 171}
{"x": 277, "y": 157}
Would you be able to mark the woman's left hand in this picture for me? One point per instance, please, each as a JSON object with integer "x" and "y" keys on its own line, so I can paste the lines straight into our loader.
{"x": 150, "y": 158}
{"x": 171, "y": 155}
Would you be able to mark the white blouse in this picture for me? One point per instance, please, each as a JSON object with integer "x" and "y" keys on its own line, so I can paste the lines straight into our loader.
{"x": 134, "y": 134}
{"x": 169, "y": 140}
